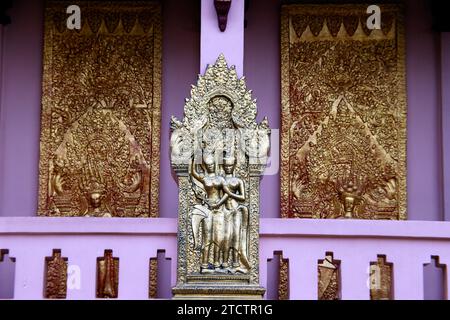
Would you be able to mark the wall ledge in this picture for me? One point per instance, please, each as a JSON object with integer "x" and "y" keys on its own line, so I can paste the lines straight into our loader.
{"x": 420, "y": 230}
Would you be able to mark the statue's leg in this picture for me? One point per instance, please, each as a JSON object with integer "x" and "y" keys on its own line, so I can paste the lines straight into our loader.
{"x": 205, "y": 256}
{"x": 236, "y": 237}
{"x": 216, "y": 257}
{"x": 243, "y": 235}
{"x": 225, "y": 258}
{"x": 207, "y": 230}
{"x": 215, "y": 230}
{"x": 236, "y": 263}
{"x": 242, "y": 245}
{"x": 227, "y": 238}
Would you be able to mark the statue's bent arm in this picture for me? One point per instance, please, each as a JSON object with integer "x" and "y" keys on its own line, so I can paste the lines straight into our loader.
{"x": 238, "y": 197}
{"x": 195, "y": 174}
{"x": 222, "y": 201}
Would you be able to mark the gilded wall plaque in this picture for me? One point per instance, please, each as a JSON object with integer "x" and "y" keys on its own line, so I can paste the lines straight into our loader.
{"x": 283, "y": 278}
{"x": 153, "y": 279}
{"x": 219, "y": 152}
{"x": 381, "y": 279}
{"x": 343, "y": 145}
{"x": 56, "y": 276}
{"x": 100, "y": 122}
{"x": 329, "y": 278}
{"x": 107, "y": 276}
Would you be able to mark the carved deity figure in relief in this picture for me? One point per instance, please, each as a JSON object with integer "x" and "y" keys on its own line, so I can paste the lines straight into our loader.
{"x": 219, "y": 153}
{"x": 107, "y": 276}
{"x": 203, "y": 215}
{"x": 343, "y": 133}
{"x": 220, "y": 222}
{"x": 235, "y": 197}
{"x": 100, "y": 119}
{"x": 56, "y": 276}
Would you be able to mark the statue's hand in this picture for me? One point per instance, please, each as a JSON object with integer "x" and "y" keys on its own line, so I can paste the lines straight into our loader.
{"x": 214, "y": 206}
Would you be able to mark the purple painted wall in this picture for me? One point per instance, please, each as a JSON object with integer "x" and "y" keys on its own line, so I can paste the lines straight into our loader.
{"x": 433, "y": 280}
{"x": 21, "y": 94}
{"x": 20, "y": 109}
{"x": 424, "y": 162}
{"x": 262, "y": 71}
{"x": 445, "y": 91}
{"x": 214, "y": 42}
{"x": 425, "y": 197}
{"x": 181, "y": 65}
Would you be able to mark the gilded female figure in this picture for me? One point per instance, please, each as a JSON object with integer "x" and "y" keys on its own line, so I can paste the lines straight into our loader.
{"x": 212, "y": 217}
{"x": 234, "y": 189}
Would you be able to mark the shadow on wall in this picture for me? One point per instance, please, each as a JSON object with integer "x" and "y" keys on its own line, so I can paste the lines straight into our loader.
{"x": 7, "y": 275}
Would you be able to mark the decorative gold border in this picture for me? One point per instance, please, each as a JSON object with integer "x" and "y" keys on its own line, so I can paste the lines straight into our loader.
{"x": 153, "y": 278}
{"x": 156, "y": 119}
{"x": 283, "y": 274}
{"x": 286, "y": 12}
{"x": 45, "y": 136}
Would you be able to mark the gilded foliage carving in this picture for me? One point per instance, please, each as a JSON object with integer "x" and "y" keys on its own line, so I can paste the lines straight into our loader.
{"x": 343, "y": 150}
{"x": 153, "y": 279}
{"x": 100, "y": 123}
{"x": 56, "y": 276}
{"x": 283, "y": 281}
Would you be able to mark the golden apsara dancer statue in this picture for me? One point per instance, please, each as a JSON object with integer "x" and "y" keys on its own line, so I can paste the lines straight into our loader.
{"x": 222, "y": 218}
{"x": 219, "y": 152}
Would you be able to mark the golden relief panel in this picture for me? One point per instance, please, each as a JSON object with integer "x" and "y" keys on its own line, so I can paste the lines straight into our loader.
{"x": 56, "y": 276}
{"x": 329, "y": 278}
{"x": 153, "y": 279}
{"x": 343, "y": 149}
{"x": 219, "y": 152}
{"x": 107, "y": 276}
{"x": 100, "y": 122}
{"x": 381, "y": 279}
{"x": 283, "y": 278}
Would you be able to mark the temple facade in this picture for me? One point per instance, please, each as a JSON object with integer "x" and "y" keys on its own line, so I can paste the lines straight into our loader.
{"x": 230, "y": 149}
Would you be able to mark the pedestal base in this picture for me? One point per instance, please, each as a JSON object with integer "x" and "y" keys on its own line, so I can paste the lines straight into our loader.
{"x": 218, "y": 287}
{"x": 191, "y": 292}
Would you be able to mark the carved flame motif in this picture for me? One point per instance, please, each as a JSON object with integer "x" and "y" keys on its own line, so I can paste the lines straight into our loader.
{"x": 343, "y": 114}
{"x": 101, "y": 111}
